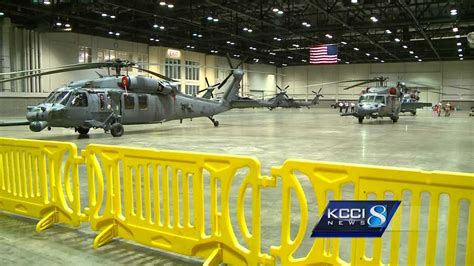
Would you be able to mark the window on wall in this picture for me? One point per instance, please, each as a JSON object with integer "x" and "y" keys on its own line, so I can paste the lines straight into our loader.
{"x": 191, "y": 89}
{"x": 85, "y": 54}
{"x": 192, "y": 70}
{"x": 173, "y": 68}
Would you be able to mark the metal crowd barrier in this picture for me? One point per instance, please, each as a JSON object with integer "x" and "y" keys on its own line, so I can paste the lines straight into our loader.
{"x": 158, "y": 198}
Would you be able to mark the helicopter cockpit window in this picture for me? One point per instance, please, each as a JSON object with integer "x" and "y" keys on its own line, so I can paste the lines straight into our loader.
{"x": 143, "y": 102}
{"x": 80, "y": 100}
{"x": 129, "y": 101}
{"x": 58, "y": 97}
{"x": 366, "y": 98}
{"x": 380, "y": 99}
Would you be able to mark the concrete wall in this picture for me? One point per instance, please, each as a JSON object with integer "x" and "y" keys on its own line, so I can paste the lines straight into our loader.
{"x": 439, "y": 75}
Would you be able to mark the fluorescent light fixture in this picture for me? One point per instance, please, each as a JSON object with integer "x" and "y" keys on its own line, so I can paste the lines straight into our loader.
{"x": 419, "y": 60}
{"x": 250, "y": 30}
{"x": 111, "y": 33}
{"x": 303, "y": 60}
{"x": 459, "y": 50}
{"x": 245, "y": 29}
{"x": 284, "y": 64}
{"x": 374, "y": 19}
{"x": 367, "y": 54}
{"x": 152, "y": 39}
{"x": 347, "y": 62}
{"x": 117, "y": 34}
{"x": 296, "y": 45}
{"x": 411, "y": 52}
{"x": 461, "y": 55}
{"x": 1, "y": 13}
{"x": 155, "y": 25}
{"x": 290, "y": 57}
{"x": 271, "y": 62}
{"x": 376, "y": 58}
{"x": 308, "y": 25}
{"x": 280, "y": 12}
{"x": 162, "y": 27}
{"x": 397, "y": 40}
{"x": 381, "y": 61}
{"x": 67, "y": 25}
{"x": 275, "y": 9}
{"x": 215, "y": 20}
{"x": 47, "y": 2}
{"x": 209, "y": 18}
{"x": 404, "y": 46}
{"x": 343, "y": 42}
{"x": 157, "y": 40}
{"x": 354, "y": 1}
{"x": 170, "y": 5}
{"x": 355, "y": 48}
{"x": 458, "y": 44}
{"x": 455, "y": 29}
{"x": 104, "y": 14}
{"x": 388, "y": 31}
{"x": 416, "y": 56}
{"x": 457, "y": 36}
{"x": 328, "y": 36}
{"x": 454, "y": 12}
{"x": 162, "y": 3}
{"x": 304, "y": 23}
{"x": 112, "y": 16}
{"x": 461, "y": 58}
{"x": 58, "y": 24}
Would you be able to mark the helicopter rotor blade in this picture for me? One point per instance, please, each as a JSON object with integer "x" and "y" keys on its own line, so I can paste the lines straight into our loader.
{"x": 225, "y": 80}
{"x": 39, "y": 69}
{"x": 278, "y": 87}
{"x": 358, "y": 84}
{"x": 207, "y": 82}
{"x": 154, "y": 74}
{"x": 287, "y": 86}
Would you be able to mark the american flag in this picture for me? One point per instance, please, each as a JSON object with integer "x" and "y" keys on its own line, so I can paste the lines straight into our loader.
{"x": 323, "y": 54}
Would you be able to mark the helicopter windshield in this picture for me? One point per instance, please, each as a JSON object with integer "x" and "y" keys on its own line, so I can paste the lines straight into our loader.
{"x": 58, "y": 97}
{"x": 379, "y": 99}
{"x": 366, "y": 98}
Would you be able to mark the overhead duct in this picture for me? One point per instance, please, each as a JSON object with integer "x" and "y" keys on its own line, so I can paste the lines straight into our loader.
{"x": 470, "y": 39}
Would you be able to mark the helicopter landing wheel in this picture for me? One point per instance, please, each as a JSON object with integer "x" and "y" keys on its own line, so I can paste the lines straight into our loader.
{"x": 395, "y": 119}
{"x": 216, "y": 123}
{"x": 83, "y": 130}
{"x": 361, "y": 119}
{"x": 413, "y": 112}
{"x": 116, "y": 130}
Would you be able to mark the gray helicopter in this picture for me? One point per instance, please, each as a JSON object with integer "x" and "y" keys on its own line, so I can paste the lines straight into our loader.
{"x": 109, "y": 102}
{"x": 383, "y": 101}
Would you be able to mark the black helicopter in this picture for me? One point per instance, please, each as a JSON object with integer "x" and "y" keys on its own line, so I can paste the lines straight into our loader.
{"x": 109, "y": 102}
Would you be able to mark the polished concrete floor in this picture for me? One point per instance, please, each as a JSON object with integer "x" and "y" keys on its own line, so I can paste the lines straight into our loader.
{"x": 424, "y": 141}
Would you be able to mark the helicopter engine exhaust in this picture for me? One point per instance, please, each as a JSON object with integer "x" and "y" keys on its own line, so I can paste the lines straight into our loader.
{"x": 37, "y": 126}
{"x": 147, "y": 85}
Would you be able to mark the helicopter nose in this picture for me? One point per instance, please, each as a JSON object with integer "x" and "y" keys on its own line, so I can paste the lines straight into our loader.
{"x": 37, "y": 114}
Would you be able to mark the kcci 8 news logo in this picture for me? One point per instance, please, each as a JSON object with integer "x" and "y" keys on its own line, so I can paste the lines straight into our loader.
{"x": 355, "y": 218}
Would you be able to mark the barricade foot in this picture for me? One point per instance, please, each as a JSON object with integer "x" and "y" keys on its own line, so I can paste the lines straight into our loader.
{"x": 104, "y": 237}
{"x": 47, "y": 221}
{"x": 215, "y": 258}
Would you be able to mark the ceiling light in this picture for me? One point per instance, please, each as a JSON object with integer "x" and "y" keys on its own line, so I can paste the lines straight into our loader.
{"x": 283, "y": 64}
{"x": 271, "y": 62}
{"x": 275, "y": 9}
{"x": 215, "y": 20}
{"x": 256, "y": 60}
{"x": 404, "y": 46}
{"x": 419, "y": 60}
{"x": 457, "y": 36}
{"x": 245, "y": 29}
{"x": 343, "y": 42}
{"x": 111, "y": 33}
{"x": 461, "y": 58}
{"x": 209, "y": 18}
{"x": 170, "y": 5}
{"x": 112, "y": 16}
{"x": 236, "y": 55}
{"x": 68, "y": 29}
{"x": 461, "y": 55}
{"x": 339, "y": 59}
{"x": 354, "y": 1}
{"x": 155, "y": 25}
{"x": 459, "y": 50}
{"x": 347, "y": 62}
{"x": 280, "y": 12}
{"x": 157, "y": 40}
{"x": 303, "y": 60}
{"x": 199, "y": 35}
{"x": 290, "y": 57}
{"x": 411, "y": 52}
{"x": 381, "y": 61}
{"x": 46, "y": 2}
{"x": 397, "y": 40}
{"x": 416, "y": 56}
{"x": 374, "y": 19}
{"x": 308, "y": 25}
{"x": 104, "y": 14}
{"x": 162, "y": 3}
{"x": 329, "y": 36}
{"x": 304, "y": 23}
{"x": 58, "y": 24}
{"x": 152, "y": 39}
{"x": 367, "y": 54}
{"x": 376, "y": 58}
{"x": 250, "y": 30}
{"x": 458, "y": 44}
{"x": 1, "y": 13}
{"x": 117, "y": 34}
{"x": 162, "y": 27}
{"x": 67, "y": 25}
{"x": 388, "y": 31}
{"x": 272, "y": 53}
{"x": 355, "y": 48}
{"x": 296, "y": 45}
{"x": 454, "y": 12}
{"x": 455, "y": 29}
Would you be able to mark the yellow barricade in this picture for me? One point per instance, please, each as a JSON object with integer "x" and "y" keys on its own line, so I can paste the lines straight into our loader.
{"x": 370, "y": 182}
{"x": 35, "y": 182}
{"x": 146, "y": 196}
